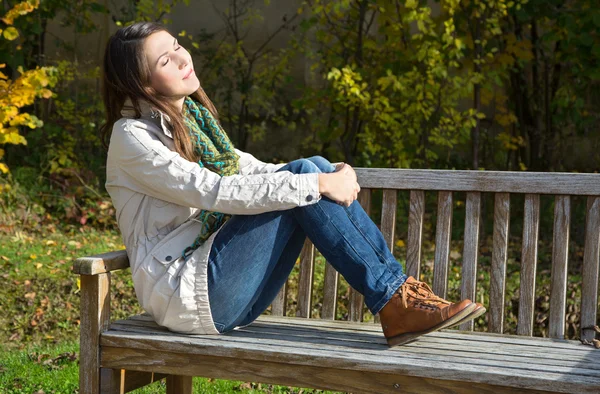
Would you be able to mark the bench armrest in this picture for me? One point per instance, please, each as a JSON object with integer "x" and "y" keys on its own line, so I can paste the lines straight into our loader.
{"x": 101, "y": 263}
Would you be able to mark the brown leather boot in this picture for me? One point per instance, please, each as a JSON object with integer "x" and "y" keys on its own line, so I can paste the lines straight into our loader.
{"x": 414, "y": 310}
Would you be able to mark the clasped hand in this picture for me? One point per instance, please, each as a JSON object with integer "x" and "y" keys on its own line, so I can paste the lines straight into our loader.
{"x": 341, "y": 186}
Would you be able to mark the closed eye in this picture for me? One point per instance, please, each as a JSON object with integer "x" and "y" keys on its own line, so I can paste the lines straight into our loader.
{"x": 178, "y": 47}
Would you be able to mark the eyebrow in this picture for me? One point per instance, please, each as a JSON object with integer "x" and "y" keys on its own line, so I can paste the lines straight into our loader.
{"x": 174, "y": 42}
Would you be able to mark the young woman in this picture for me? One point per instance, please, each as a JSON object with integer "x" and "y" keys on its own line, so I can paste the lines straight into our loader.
{"x": 211, "y": 232}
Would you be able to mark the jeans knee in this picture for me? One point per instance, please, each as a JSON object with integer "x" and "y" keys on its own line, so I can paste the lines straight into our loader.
{"x": 322, "y": 163}
{"x": 301, "y": 166}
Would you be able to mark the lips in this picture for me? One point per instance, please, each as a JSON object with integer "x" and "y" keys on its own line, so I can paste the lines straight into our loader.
{"x": 188, "y": 73}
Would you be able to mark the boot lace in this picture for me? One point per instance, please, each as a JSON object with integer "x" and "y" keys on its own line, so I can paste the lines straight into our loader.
{"x": 422, "y": 293}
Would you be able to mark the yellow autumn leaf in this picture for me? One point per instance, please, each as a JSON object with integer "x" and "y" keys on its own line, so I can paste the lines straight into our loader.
{"x": 78, "y": 283}
{"x": 3, "y": 168}
{"x": 33, "y": 256}
{"x": 182, "y": 34}
{"x": 50, "y": 243}
{"x": 400, "y": 243}
{"x": 4, "y": 258}
{"x": 10, "y": 33}
{"x": 38, "y": 266}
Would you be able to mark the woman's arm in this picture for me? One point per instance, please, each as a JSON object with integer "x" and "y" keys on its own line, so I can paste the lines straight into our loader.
{"x": 251, "y": 165}
{"x": 147, "y": 166}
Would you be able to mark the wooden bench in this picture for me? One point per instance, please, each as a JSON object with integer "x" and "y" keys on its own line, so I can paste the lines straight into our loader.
{"x": 352, "y": 355}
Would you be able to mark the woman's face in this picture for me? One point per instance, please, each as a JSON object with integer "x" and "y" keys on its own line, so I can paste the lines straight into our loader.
{"x": 171, "y": 69}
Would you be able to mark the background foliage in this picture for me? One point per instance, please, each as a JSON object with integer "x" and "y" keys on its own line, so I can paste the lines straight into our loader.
{"x": 492, "y": 84}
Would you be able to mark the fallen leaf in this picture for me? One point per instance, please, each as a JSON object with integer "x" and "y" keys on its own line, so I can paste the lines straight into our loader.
{"x": 33, "y": 256}
{"x": 50, "y": 243}
{"x": 30, "y": 296}
{"x": 4, "y": 258}
{"x": 33, "y": 323}
{"x": 39, "y": 265}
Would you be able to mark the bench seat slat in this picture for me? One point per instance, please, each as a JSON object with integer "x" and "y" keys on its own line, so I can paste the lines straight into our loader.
{"x": 499, "y": 254}
{"x": 367, "y": 333}
{"x": 523, "y": 357}
{"x": 289, "y": 374}
{"x": 531, "y": 223}
{"x": 415, "y": 233}
{"x": 267, "y": 341}
{"x": 560, "y": 254}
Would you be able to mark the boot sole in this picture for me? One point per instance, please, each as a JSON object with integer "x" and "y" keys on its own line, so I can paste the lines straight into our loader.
{"x": 473, "y": 315}
{"x": 409, "y": 336}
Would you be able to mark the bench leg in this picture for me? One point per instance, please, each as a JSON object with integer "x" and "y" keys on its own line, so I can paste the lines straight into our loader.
{"x": 179, "y": 384}
{"x": 95, "y": 318}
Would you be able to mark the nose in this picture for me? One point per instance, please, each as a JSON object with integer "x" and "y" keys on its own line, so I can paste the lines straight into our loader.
{"x": 182, "y": 63}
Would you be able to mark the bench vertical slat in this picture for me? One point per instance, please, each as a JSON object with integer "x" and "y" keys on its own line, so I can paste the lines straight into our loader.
{"x": 388, "y": 216}
{"x": 330, "y": 284}
{"x": 560, "y": 253}
{"x": 355, "y": 310}
{"x": 305, "y": 280}
{"x": 442, "y": 243}
{"x": 589, "y": 286}
{"x": 531, "y": 224}
{"x": 470, "y": 247}
{"x": 389, "y": 206}
{"x": 415, "y": 233}
{"x": 499, "y": 254}
{"x": 278, "y": 305}
{"x": 95, "y": 318}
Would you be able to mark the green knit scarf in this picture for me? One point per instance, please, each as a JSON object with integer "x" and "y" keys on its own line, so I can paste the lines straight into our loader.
{"x": 216, "y": 153}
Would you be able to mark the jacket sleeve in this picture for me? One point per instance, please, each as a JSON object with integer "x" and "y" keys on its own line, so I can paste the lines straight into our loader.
{"x": 149, "y": 167}
{"x": 251, "y": 165}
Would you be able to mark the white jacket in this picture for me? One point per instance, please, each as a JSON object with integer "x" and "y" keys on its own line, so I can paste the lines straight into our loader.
{"x": 158, "y": 194}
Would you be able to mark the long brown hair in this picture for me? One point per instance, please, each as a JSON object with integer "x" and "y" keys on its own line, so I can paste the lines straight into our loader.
{"x": 127, "y": 74}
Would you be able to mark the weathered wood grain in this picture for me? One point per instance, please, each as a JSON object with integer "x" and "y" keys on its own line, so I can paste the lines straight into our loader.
{"x": 179, "y": 384}
{"x": 499, "y": 253}
{"x": 95, "y": 318}
{"x": 305, "y": 280}
{"x": 355, "y": 309}
{"x": 470, "y": 249}
{"x": 388, "y": 216}
{"x": 321, "y": 377}
{"x": 442, "y": 243}
{"x": 531, "y": 224}
{"x": 560, "y": 255}
{"x": 481, "y": 181}
{"x": 330, "y": 284}
{"x": 278, "y": 305}
{"x": 415, "y": 233}
{"x": 101, "y": 263}
{"x": 591, "y": 257}
{"x": 467, "y": 357}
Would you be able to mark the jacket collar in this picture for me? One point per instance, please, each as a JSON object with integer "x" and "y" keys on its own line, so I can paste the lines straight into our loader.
{"x": 148, "y": 112}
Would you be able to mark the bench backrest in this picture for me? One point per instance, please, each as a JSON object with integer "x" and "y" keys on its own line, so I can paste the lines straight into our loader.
{"x": 560, "y": 185}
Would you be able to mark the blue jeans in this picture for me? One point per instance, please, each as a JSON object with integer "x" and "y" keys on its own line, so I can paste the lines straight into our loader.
{"x": 253, "y": 255}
